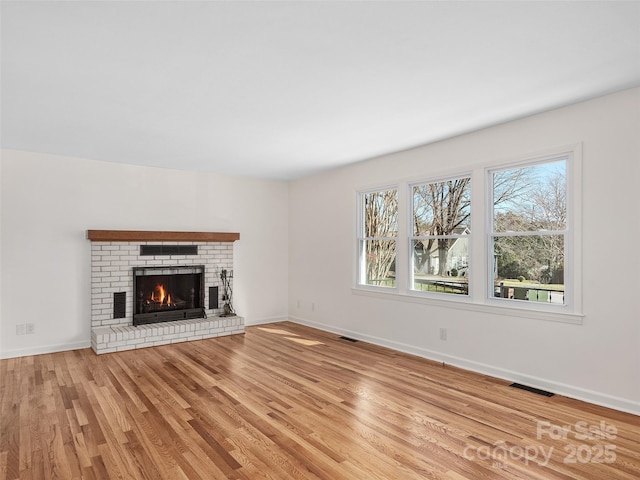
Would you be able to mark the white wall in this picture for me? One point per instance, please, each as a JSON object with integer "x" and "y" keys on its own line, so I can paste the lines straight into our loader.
{"x": 598, "y": 360}
{"x": 49, "y": 202}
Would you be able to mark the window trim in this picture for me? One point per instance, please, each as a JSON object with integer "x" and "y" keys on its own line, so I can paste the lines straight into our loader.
{"x": 477, "y": 300}
{"x": 360, "y": 283}
{"x": 568, "y": 155}
{"x": 411, "y": 237}
{"x": 457, "y": 303}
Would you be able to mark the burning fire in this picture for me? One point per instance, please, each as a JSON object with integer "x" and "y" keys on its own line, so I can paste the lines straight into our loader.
{"x": 161, "y": 296}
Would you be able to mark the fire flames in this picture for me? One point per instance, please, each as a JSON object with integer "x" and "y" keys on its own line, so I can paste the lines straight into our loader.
{"x": 160, "y": 296}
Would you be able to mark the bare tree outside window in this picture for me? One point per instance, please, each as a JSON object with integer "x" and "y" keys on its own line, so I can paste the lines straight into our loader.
{"x": 441, "y": 227}
{"x": 379, "y": 237}
{"x": 529, "y": 233}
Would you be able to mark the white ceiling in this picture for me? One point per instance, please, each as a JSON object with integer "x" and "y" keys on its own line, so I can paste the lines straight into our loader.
{"x": 285, "y": 89}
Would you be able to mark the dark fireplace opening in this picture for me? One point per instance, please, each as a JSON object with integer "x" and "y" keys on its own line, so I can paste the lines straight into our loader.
{"x": 166, "y": 294}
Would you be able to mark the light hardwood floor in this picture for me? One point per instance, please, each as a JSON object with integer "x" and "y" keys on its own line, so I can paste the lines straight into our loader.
{"x": 284, "y": 401}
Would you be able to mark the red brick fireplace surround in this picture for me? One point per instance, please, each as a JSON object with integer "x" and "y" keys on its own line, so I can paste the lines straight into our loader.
{"x": 114, "y": 256}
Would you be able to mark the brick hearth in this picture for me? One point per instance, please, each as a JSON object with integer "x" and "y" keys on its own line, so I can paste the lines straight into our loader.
{"x": 116, "y": 339}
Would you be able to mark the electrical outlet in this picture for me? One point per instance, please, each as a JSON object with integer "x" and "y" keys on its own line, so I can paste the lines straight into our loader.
{"x": 298, "y": 304}
{"x": 443, "y": 334}
{"x": 313, "y": 307}
{"x": 31, "y": 328}
{"x": 20, "y": 329}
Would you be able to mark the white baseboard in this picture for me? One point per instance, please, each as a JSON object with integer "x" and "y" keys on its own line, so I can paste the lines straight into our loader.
{"x": 264, "y": 321}
{"x": 578, "y": 393}
{"x": 23, "y": 352}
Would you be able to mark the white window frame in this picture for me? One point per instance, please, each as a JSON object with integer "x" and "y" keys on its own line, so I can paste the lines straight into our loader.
{"x": 361, "y": 265}
{"x": 480, "y": 298}
{"x": 412, "y": 237}
{"x": 570, "y": 249}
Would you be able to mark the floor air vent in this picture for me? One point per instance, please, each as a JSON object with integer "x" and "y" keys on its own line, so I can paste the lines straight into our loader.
{"x": 348, "y": 339}
{"x": 531, "y": 389}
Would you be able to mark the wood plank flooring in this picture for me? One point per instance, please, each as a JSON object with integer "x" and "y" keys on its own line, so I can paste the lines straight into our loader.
{"x": 284, "y": 401}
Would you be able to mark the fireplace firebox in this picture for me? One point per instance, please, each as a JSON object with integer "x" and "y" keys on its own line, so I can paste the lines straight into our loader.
{"x": 166, "y": 294}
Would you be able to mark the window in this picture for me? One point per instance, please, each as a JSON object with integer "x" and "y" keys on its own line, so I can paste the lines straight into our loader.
{"x": 505, "y": 245}
{"x": 377, "y": 237}
{"x": 440, "y": 231}
{"x": 528, "y": 232}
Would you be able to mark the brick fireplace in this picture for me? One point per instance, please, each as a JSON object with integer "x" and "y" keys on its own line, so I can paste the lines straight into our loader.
{"x": 120, "y": 257}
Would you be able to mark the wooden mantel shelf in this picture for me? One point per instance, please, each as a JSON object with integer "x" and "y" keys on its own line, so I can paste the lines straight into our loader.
{"x": 159, "y": 236}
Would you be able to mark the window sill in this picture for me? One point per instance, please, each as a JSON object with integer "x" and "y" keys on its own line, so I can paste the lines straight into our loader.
{"x": 470, "y": 305}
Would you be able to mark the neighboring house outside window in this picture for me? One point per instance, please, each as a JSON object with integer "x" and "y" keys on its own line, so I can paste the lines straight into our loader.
{"x": 440, "y": 232}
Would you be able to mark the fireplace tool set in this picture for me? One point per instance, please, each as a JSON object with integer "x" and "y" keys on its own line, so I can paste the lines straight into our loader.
{"x": 226, "y": 277}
